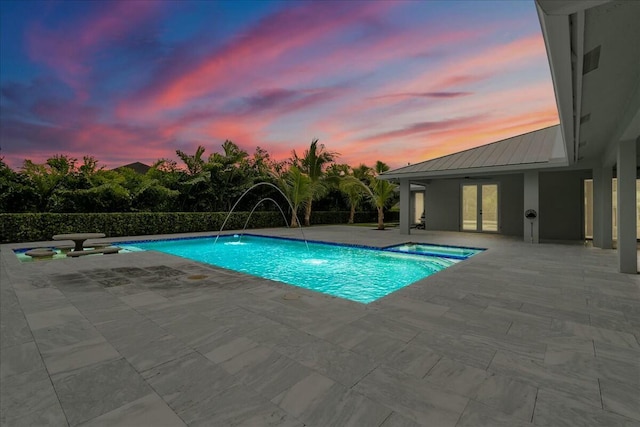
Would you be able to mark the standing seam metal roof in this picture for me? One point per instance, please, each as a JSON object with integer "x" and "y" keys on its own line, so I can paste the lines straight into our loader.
{"x": 528, "y": 148}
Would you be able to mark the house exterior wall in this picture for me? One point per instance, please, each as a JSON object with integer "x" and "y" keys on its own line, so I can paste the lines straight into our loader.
{"x": 442, "y": 205}
{"x": 443, "y": 200}
{"x": 562, "y": 205}
{"x": 561, "y": 202}
{"x": 511, "y": 204}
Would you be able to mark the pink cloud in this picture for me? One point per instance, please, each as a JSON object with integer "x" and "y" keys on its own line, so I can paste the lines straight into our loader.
{"x": 236, "y": 65}
{"x": 68, "y": 49}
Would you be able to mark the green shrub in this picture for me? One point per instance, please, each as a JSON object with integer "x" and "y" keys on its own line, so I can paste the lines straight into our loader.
{"x": 31, "y": 227}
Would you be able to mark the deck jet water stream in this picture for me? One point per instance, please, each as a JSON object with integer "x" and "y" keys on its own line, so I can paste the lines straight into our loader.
{"x": 245, "y": 193}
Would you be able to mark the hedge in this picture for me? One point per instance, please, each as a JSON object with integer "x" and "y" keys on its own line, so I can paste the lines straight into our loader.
{"x": 30, "y": 227}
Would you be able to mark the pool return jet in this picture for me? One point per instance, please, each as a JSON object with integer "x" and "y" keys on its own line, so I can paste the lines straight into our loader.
{"x": 259, "y": 202}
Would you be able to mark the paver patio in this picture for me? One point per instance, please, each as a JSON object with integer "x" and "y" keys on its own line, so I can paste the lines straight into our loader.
{"x": 521, "y": 334}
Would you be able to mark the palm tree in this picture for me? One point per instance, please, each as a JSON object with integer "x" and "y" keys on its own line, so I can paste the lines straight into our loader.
{"x": 380, "y": 191}
{"x": 352, "y": 184}
{"x": 195, "y": 163}
{"x": 196, "y": 185}
{"x": 297, "y": 186}
{"x": 313, "y": 163}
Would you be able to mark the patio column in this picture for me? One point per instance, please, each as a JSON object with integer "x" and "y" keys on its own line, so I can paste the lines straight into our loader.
{"x": 602, "y": 210}
{"x": 627, "y": 255}
{"x": 424, "y": 205}
{"x": 405, "y": 206}
{"x": 531, "y": 201}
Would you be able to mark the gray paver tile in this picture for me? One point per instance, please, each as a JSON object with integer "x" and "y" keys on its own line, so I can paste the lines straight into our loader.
{"x": 266, "y": 371}
{"x": 561, "y": 349}
{"x": 147, "y": 353}
{"x": 343, "y": 366}
{"x": 186, "y": 381}
{"x": 423, "y": 403}
{"x": 377, "y": 347}
{"x": 477, "y": 415}
{"x": 388, "y": 326}
{"x": 575, "y": 413}
{"x": 44, "y": 299}
{"x": 607, "y": 336}
{"x": 237, "y": 406}
{"x": 501, "y": 311}
{"x": 470, "y": 352}
{"x": 621, "y": 398}
{"x": 456, "y": 377}
{"x": 538, "y": 374}
{"x": 79, "y": 355}
{"x": 413, "y": 359}
{"x": 55, "y": 317}
{"x": 332, "y": 406}
{"x": 19, "y": 359}
{"x": 92, "y": 391}
{"x": 317, "y": 400}
{"x": 397, "y": 420}
{"x": 614, "y": 352}
{"x": 14, "y": 329}
{"x": 524, "y": 347}
{"x": 149, "y": 410}
{"x": 304, "y": 394}
{"x": 511, "y": 397}
{"x": 142, "y": 298}
{"x": 29, "y": 399}
{"x": 228, "y": 347}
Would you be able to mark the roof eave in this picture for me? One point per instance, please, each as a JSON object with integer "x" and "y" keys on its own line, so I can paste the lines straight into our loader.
{"x": 502, "y": 169}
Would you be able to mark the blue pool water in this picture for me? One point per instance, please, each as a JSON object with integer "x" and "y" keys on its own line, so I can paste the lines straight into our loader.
{"x": 355, "y": 273}
{"x": 435, "y": 250}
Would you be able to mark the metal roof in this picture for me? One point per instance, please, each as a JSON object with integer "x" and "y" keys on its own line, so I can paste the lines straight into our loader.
{"x": 537, "y": 149}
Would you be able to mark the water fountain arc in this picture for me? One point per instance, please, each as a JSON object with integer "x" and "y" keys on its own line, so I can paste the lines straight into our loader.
{"x": 245, "y": 193}
{"x": 256, "y": 206}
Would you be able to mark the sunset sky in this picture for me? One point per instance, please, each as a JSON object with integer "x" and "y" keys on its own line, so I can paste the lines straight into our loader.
{"x": 401, "y": 82}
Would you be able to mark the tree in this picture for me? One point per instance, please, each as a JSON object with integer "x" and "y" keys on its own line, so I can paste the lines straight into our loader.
{"x": 354, "y": 185}
{"x": 195, "y": 183}
{"x": 230, "y": 175}
{"x": 48, "y": 179}
{"x": 17, "y": 192}
{"x": 380, "y": 191}
{"x": 194, "y": 163}
{"x": 297, "y": 186}
{"x": 313, "y": 163}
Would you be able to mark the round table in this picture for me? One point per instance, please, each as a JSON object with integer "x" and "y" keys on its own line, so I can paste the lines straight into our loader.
{"x": 78, "y": 238}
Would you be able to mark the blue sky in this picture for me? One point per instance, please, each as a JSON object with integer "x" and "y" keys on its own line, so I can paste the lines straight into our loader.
{"x": 394, "y": 81}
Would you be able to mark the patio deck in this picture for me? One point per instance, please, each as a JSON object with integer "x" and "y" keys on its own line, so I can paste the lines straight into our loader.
{"x": 519, "y": 335}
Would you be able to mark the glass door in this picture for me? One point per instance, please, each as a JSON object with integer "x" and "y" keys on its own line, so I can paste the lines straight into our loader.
{"x": 470, "y": 207}
{"x": 480, "y": 207}
{"x": 489, "y": 212}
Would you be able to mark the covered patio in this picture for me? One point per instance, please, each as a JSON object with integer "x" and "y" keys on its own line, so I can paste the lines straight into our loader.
{"x": 593, "y": 52}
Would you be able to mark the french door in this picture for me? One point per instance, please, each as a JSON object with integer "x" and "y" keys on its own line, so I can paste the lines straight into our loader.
{"x": 480, "y": 207}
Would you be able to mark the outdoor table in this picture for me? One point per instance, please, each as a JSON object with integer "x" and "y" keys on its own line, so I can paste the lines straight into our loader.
{"x": 78, "y": 238}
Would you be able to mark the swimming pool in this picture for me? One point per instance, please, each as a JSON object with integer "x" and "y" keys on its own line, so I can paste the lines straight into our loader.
{"x": 356, "y": 273}
{"x": 455, "y": 252}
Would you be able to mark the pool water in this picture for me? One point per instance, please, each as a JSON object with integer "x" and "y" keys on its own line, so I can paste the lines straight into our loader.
{"x": 455, "y": 252}
{"x": 356, "y": 273}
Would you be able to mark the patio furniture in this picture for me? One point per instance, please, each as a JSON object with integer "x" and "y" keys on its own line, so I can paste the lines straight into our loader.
{"x": 40, "y": 253}
{"x": 78, "y": 238}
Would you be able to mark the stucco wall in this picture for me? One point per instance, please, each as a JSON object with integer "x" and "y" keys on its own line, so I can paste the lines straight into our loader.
{"x": 443, "y": 203}
{"x": 561, "y": 205}
{"x": 511, "y": 204}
